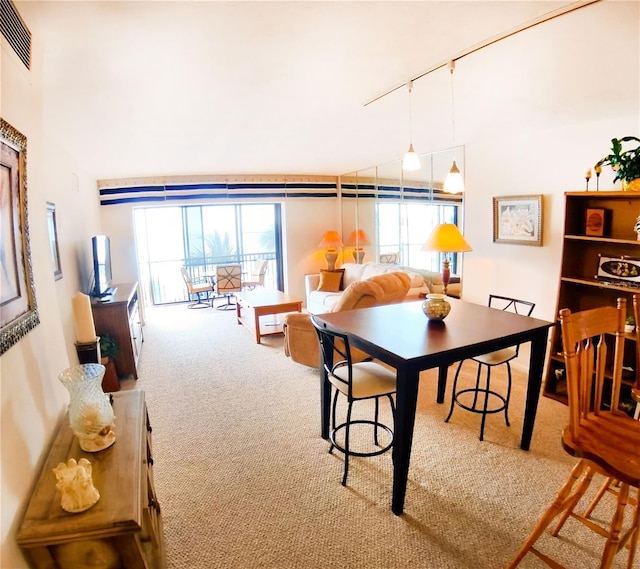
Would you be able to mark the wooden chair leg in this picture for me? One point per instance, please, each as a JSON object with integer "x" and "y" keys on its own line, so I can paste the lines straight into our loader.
{"x": 583, "y": 486}
{"x": 613, "y": 541}
{"x": 633, "y": 541}
{"x": 563, "y": 500}
{"x": 610, "y": 481}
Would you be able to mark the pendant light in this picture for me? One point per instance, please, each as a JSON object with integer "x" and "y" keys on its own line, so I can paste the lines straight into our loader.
{"x": 410, "y": 162}
{"x": 453, "y": 183}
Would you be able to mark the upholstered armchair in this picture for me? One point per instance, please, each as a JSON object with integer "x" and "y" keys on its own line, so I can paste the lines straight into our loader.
{"x": 300, "y": 337}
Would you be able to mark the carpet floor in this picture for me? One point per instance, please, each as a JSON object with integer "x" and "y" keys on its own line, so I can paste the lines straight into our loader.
{"x": 245, "y": 480}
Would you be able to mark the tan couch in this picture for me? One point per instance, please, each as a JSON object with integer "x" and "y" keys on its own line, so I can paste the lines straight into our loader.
{"x": 300, "y": 338}
{"x": 422, "y": 282}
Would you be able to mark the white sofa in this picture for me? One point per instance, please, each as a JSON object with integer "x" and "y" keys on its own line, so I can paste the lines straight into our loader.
{"x": 422, "y": 282}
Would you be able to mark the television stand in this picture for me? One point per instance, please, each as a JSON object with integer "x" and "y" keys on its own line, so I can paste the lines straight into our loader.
{"x": 118, "y": 316}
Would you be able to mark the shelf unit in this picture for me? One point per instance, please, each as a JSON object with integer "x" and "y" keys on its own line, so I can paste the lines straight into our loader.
{"x": 124, "y": 528}
{"x": 119, "y": 316}
{"x": 580, "y": 289}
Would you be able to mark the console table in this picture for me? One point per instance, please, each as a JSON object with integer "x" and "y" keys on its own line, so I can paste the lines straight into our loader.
{"x": 119, "y": 316}
{"x": 124, "y": 528}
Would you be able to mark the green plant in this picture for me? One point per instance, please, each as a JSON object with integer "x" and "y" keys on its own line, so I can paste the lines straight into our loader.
{"x": 108, "y": 347}
{"x": 631, "y": 321}
{"x": 626, "y": 164}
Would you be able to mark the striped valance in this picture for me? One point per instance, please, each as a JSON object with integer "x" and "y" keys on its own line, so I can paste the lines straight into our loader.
{"x": 113, "y": 192}
{"x": 395, "y": 190}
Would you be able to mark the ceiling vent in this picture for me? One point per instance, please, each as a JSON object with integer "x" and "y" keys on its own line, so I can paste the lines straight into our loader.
{"x": 15, "y": 32}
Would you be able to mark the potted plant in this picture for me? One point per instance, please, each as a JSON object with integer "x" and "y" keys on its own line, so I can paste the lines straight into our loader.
{"x": 108, "y": 352}
{"x": 630, "y": 324}
{"x": 625, "y": 163}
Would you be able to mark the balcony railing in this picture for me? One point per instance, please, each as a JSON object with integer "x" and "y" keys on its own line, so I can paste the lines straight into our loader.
{"x": 161, "y": 282}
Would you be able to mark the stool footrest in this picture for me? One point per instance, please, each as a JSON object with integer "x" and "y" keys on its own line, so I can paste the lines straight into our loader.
{"x": 332, "y": 438}
{"x": 484, "y": 393}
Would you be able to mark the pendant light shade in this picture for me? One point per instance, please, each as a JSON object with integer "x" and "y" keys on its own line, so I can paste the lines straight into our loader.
{"x": 410, "y": 162}
{"x": 453, "y": 183}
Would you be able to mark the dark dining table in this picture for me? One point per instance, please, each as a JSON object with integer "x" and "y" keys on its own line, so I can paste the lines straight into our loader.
{"x": 401, "y": 336}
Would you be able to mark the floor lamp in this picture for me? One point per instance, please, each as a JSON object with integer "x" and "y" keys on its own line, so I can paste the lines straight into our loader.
{"x": 446, "y": 238}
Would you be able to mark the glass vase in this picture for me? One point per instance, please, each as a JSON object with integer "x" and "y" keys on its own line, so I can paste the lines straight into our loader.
{"x": 90, "y": 412}
{"x": 436, "y": 307}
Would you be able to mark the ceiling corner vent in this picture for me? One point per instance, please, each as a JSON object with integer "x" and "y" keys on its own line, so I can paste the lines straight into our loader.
{"x": 15, "y": 32}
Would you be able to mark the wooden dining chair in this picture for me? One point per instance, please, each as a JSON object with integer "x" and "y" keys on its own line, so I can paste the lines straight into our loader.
{"x": 476, "y": 399}
{"x": 599, "y": 433}
{"x": 610, "y": 484}
{"x": 357, "y": 382}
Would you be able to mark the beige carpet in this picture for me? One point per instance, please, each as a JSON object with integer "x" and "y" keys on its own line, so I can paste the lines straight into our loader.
{"x": 245, "y": 481}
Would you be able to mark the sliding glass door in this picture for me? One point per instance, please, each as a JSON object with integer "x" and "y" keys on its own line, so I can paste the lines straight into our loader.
{"x": 200, "y": 237}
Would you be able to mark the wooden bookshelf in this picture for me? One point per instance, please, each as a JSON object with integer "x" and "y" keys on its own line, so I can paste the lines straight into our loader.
{"x": 580, "y": 285}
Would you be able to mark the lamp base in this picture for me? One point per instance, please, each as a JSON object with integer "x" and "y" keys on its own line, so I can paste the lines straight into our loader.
{"x": 446, "y": 275}
{"x": 331, "y": 258}
{"x": 358, "y": 256}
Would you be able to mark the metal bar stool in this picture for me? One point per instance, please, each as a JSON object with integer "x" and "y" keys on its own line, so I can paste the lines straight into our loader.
{"x": 482, "y": 393}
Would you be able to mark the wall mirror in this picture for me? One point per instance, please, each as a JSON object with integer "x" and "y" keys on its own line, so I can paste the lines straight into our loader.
{"x": 388, "y": 213}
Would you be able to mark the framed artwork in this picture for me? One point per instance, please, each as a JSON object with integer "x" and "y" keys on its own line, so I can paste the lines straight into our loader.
{"x": 19, "y": 314}
{"x": 621, "y": 269}
{"x": 595, "y": 222}
{"x": 53, "y": 240}
{"x": 518, "y": 220}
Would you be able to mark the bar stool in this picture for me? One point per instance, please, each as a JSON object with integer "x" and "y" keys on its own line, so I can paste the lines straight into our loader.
{"x": 358, "y": 382}
{"x": 481, "y": 394}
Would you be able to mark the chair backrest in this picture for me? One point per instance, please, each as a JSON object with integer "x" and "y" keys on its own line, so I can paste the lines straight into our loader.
{"x": 228, "y": 279}
{"x": 187, "y": 278}
{"x": 511, "y": 304}
{"x": 593, "y": 375}
{"x": 332, "y": 343}
{"x": 515, "y": 305}
{"x": 389, "y": 258}
{"x": 258, "y": 271}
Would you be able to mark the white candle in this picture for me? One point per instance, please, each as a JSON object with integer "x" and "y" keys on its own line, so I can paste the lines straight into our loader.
{"x": 83, "y": 318}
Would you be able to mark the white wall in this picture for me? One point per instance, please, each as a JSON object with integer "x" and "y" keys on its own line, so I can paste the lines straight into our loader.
{"x": 536, "y": 111}
{"x": 32, "y": 399}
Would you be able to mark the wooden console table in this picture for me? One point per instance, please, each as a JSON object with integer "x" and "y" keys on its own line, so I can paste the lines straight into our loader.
{"x": 124, "y": 528}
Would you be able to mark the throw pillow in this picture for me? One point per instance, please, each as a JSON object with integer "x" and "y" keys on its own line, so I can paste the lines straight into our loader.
{"x": 330, "y": 281}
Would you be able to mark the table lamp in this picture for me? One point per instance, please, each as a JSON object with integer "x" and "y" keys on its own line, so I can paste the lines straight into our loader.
{"x": 446, "y": 238}
{"x": 330, "y": 241}
{"x": 358, "y": 238}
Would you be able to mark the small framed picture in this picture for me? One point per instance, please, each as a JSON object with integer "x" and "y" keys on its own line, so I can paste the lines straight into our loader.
{"x": 518, "y": 220}
{"x": 595, "y": 222}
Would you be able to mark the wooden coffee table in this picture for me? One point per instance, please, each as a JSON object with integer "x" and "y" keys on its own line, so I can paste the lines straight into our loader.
{"x": 263, "y": 302}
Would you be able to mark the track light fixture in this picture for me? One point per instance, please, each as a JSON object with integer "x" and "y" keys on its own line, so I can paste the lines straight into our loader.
{"x": 453, "y": 183}
{"x": 410, "y": 161}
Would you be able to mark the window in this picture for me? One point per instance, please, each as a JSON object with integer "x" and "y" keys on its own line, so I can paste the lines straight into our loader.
{"x": 200, "y": 237}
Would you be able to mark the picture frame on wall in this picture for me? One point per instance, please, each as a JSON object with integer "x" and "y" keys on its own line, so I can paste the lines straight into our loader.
{"x": 595, "y": 222}
{"x": 19, "y": 313}
{"x": 53, "y": 240}
{"x": 518, "y": 220}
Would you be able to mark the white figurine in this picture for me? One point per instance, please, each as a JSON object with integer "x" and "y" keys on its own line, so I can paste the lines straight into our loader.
{"x": 76, "y": 485}
{"x": 636, "y": 227}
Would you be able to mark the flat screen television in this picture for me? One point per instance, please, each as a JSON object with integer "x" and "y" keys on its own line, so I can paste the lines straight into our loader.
{"x": 101, "y": 247}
